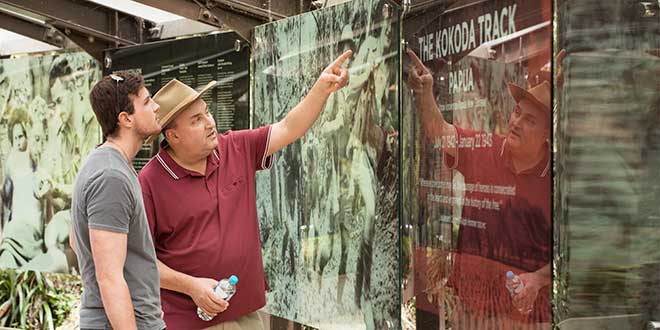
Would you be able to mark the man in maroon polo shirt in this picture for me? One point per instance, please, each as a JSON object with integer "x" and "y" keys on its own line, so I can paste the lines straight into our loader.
{"x": 505, "y": 218}
{"x": 199, "y": 193}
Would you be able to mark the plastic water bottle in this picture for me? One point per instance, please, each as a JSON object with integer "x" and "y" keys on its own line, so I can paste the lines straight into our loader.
{"x": 514, "y": 284}
{"x": 225, "y": 290}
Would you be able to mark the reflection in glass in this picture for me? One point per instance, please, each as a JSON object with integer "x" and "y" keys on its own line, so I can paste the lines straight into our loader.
{"x": 477, "y": 132}
{"x": 607, "y": 216}
{"x": 328, "y": 208}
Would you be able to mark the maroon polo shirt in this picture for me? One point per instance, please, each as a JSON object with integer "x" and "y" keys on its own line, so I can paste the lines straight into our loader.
{"x": 509, "y": 231}
{"x": 205, "y": 225}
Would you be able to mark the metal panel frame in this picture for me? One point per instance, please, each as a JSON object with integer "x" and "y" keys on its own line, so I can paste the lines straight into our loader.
{"x": 33, "y": 29}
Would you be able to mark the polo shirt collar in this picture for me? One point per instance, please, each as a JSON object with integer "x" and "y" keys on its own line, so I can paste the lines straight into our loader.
{"x": 541, "y": 169}
{"x": 176, "y": 171}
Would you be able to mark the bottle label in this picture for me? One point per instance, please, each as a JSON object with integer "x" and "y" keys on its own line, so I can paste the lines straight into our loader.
{"x": 222, "y": 294}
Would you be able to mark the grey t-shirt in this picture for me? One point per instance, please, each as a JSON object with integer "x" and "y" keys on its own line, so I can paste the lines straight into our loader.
{"x": 107, "y": 196}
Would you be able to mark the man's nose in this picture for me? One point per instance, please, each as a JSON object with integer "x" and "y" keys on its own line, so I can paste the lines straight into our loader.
{"x": 209, "y": 121}
{"x": 516, "y": 122}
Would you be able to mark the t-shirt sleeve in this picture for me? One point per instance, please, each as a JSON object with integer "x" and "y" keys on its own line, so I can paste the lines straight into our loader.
{"x": 110, "y": 202}
{"x": 256, "y": 145}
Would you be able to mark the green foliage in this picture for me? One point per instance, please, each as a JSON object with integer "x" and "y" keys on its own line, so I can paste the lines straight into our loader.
{"x": 34, "y": 300}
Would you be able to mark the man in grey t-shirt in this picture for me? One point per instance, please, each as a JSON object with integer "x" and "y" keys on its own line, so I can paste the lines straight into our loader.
{"x": 110, "y": 232}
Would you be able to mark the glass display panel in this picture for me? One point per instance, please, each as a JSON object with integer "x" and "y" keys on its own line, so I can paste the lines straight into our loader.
{"x": 476, "y": 176}
{"x": 328, "y": 208}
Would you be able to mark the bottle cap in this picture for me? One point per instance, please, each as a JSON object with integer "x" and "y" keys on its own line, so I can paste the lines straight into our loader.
{"x": 233, "y": 279}
{"x": 509, "y": 275}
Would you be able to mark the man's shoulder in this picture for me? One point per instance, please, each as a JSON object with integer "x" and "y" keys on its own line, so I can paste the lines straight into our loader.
{"x": 231, "y": 140}
{"x": 100, "y": 164}
{"x": 153, "y": 173}
{"x": 232, "y": 134}
{"x": 96, "y": 179}
{"x": 151, "y": 168}
{"x": 239, "y": 140}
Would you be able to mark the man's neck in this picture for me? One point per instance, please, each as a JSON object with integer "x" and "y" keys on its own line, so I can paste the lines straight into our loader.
{"x": 128, "y": 146}
{"x": 196, "y": 164}
{"x": 524, "y": 162}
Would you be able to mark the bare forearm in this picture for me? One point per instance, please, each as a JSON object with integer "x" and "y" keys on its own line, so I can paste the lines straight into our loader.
{"x": 109, "y": 253}
{"x": 117, "y": 303}
{"x": 432, "y": 119}
{"x": 171, "y": 279}
{"x": 200, "y": 290}
{"x": 434, "y": 124}
{"x": 543, "y": 273}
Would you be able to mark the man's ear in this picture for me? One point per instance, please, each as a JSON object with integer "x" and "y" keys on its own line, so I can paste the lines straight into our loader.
{"x": 170, "y": 135}
{"x": 125, "y": 119}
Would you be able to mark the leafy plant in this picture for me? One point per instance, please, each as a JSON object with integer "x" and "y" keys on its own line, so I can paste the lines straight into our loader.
{"x": 34, "y": 300}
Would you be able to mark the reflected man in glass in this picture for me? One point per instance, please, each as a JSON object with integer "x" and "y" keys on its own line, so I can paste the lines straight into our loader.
{"x": 505, "y": 215}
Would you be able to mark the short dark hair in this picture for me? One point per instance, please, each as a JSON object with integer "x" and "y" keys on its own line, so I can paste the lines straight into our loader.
{"x": 61, "y": 69}
{"x": 11, "y": 130}
{"x": 107, "y": 93}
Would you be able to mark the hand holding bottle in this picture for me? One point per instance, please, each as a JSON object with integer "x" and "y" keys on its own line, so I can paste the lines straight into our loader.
{"x": 519, "y": 292}
{"x": 224, "y": 290}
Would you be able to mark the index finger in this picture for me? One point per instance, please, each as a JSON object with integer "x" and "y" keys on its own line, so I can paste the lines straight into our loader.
{"x": 561, "y": 55}
{"x": 416, "y": 61}
{"x": 341, "y": 59}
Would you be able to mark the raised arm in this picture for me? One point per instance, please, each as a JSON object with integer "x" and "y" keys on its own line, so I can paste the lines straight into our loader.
{"x": 434, "y": 124}
{"x": 302, "y": 116}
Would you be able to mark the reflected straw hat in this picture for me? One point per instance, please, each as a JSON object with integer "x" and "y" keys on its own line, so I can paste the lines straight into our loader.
{"x": 173, "y": 98}
{"x": 539, "y": 94}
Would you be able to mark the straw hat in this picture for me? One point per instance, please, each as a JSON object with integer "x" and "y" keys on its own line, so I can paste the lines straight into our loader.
{"x": 173, "y": 98}
{"x": 539, "y": 94}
